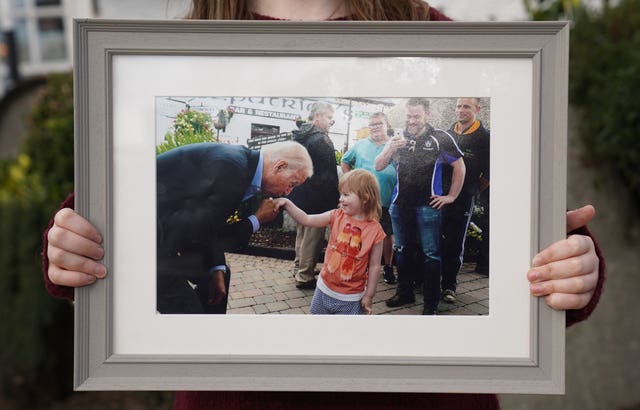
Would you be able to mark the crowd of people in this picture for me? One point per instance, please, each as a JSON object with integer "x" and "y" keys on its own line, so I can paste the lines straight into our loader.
{"x": 425, "y": 226}
{"x": 403, "y": 199}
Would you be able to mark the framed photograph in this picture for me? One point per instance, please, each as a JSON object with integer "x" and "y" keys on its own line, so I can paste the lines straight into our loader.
{"x": 139, "y": 85}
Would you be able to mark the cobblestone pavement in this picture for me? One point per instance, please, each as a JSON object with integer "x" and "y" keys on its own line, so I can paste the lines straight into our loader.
{"x": 265, "y": 285}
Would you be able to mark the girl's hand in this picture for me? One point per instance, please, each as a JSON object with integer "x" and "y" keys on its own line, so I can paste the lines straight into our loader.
{"x": 367, "y": 304}
{"x": 566, "y": 272}
{"x": 280, "y": 203}
{"x": 73, "y": 250}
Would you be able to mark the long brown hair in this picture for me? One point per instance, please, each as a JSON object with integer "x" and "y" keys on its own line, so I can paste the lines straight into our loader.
{"x": 378, "y": 10}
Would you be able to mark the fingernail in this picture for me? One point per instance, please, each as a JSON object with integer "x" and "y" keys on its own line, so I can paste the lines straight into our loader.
{"x": 533, "y": 275}
{"x": 90, "y": 280}
{"x": 100, "y": 271}
{"x": 536, "y": 289}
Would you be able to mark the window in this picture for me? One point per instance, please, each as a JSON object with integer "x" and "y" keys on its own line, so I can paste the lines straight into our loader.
{"x": 51, "y": 39}
{"x": 260, "y": 130}
{"x": 41, "y": 35}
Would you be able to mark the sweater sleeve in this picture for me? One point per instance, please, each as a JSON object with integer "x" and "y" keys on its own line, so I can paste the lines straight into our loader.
{"x": 62, "y": 292}
{"x": 578, "y": 315}
{"x": 435, "y": 15}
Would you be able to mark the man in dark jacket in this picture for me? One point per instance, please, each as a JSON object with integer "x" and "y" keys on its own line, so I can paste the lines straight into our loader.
{"x": 473, "y": 140}
{"x": 318, "y": 194}
{"x": 197, "y": 220}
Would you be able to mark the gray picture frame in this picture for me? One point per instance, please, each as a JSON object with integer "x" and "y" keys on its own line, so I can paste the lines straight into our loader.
{"x": 97, "y": 42}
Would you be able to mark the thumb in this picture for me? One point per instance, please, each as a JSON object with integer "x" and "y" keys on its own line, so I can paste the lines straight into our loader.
{"x": 580, "y": 217}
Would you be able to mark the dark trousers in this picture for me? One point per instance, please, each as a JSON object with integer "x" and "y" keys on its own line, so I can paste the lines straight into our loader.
{"x": 181, "y": 293}
{"x": 416, "y": 251}
{"x": 455, "y": 222}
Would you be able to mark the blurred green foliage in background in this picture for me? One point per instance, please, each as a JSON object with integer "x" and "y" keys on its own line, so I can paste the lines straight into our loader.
{"x": 604, "y": 81}
{"x": 35, "y": 329}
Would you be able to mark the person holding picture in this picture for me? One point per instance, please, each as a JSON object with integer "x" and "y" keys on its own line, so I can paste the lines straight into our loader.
{"x": 569, "y": 274}
{"x": 351, "y": 269}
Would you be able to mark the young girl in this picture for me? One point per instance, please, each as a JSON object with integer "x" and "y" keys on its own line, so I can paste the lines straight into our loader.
{"x": 348, "y": 280}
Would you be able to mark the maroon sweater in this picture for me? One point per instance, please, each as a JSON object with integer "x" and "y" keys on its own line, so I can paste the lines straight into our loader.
{"x": 192, "y": 400}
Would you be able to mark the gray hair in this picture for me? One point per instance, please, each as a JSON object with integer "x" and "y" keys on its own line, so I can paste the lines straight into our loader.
{"x": 380, "y": 114}
{"x": 319, "y": 107}
{"x": 296, "y": 156}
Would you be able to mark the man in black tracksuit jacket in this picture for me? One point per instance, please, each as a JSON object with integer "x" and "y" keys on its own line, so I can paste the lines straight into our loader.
{"x": 473, "y": 140}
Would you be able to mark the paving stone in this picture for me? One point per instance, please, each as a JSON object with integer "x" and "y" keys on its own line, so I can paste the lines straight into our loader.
{"x": 264, "y": 299}
{"x": 244, "y": 310}
{"x": 237, "y": 303}
{"x": 295, "y": 293}
{"x": 297, "y": 303}
{"x": 250, "y": 292}
{"x": 294, "y": 311}
{"x": 271, "y": 280}
{"x": 478, "y": 308}
{"x": 260, "y": 309}
{"x": 277, "y": 306}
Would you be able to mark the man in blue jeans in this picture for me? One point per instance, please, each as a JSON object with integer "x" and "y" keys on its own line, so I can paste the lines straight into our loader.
{"x": 419, "y": 157}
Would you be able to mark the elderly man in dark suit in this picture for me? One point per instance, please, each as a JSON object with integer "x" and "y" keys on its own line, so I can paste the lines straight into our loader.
{"x": 200, "y": 190}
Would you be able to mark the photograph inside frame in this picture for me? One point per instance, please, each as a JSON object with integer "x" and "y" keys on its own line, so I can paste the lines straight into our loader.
{"x": 323, "y": 205}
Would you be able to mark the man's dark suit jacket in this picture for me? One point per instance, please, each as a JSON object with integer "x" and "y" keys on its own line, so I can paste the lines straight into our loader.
{"x": 198, "y": 187}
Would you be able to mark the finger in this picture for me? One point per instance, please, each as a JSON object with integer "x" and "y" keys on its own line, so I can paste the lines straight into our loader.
{"x": 69, "y": 278}
{"x": 561, "y": 301}
{"x": 74, "y": 243}
{"x": 70, "y": 220}
{"x": 574, "y": 285}
{"x": 69, "y": 261}
{"x": 574, "y": 245}
{"x": 580, "y": 217}
{"x": 565, "y": 268}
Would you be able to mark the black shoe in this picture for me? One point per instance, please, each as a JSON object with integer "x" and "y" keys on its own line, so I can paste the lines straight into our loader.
{"x": 429, "y": 312}
{"x": 388, "y": 275}
{"x": 306, "y": 285}
{"x": 398, "y": 300}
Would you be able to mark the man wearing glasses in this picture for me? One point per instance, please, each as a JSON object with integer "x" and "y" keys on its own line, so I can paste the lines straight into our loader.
{"x": 417, "y": 200}
{"x": 363, "y": 155}
{"x": 318, "y": 194}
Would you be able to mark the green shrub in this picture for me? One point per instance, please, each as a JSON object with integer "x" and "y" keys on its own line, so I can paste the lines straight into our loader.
{"x": 189, "y": 127}
{"x": 605, "y": 84}
{"x": 35, "y": 329}
{"x": 604, "y": 81}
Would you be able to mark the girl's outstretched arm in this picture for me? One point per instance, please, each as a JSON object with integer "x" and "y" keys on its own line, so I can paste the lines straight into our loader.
{"x": 301, "y": 217}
